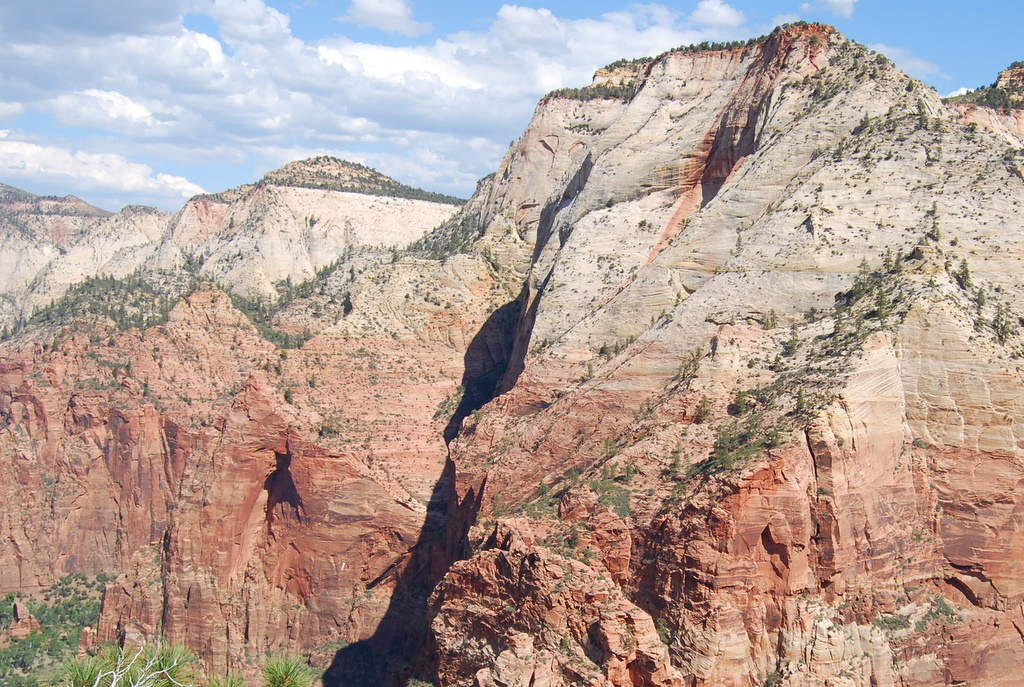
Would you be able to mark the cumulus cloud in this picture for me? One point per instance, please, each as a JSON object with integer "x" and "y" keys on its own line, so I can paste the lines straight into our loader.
{"x": 388, "y": 15}
{"x": 435, "y": 113}
{"x": 909, "y": 63}
{"x": 717, "y": 13}
{"x": 82, "y": 171}
{"x": 101, "y": 109}
{"x": 959, "y": 91}
{"x": 245, "y": 20}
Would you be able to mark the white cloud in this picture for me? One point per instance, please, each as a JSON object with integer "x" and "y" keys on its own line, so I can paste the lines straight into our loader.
{"x": 910, "y": 64}
{"x": 111, "y": 17}
{"x": 959, "y": 91}
{"x": 717, "y": 13}
{"x": 245, "y": 20}
{"x": 843, "y": 8}
{"x": 103, "y": 109}
{"x": 436, "y": 113}
{"x": 81, "y": 171}
{"x": 10, "y": 111}
{"x": 781, "y": 19}
{"x": 389, "y": 15}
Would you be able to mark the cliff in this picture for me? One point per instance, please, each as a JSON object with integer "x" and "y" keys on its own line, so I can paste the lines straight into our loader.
{"x": 252, "y": 240}
{"x": 739, "y": 388}
{"x": 715, "y": 382}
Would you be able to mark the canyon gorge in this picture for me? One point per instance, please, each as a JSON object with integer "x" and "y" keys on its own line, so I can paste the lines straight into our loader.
{"x": 715, "y": 381}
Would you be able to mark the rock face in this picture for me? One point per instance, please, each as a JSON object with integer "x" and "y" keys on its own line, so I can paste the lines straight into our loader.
{"x": 1001, "y": 107}
{"x": 210, "y": 467}
{"x": 723, "y": 389}
{"x": 1012, "y": 77}
{"x": 207, "y": 465}
{"x": 46, "y": 244}
{"x": 272, "y": 234}
{"x": 251, "y": 240}
{"x": 557, "y": 620}
{"x": 23, "y": 624}
{"x": 789, "y": 456}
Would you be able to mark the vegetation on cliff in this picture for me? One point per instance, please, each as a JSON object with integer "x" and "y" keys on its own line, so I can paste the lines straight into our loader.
{"x": 455, "y": 236}
{"x": 62, "y": 612}
{"x": 994, "y": 97}
{"x": 1008, "y": 95}
{"x": 131, "y": 302}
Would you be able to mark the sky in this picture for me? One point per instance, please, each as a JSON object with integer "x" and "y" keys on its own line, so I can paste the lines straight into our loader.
{"x": 148, "y": 103}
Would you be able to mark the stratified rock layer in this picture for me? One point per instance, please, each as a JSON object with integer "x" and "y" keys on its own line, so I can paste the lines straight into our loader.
{"x": 818, "y": 531}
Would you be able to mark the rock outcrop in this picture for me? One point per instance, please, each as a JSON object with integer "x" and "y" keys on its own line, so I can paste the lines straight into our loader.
{"x": 23, "y": 624}
{"x": 1012, "y": 77}
{"x": 781, "y": 448}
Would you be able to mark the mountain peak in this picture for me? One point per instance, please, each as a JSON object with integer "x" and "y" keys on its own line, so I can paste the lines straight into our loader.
{"x": 10, "y": 194}
{"x": 326, "y": 171}
{"x": 331, "y": 173}
{"x": 71, "y": 206}
{"x": 620, "y": 79}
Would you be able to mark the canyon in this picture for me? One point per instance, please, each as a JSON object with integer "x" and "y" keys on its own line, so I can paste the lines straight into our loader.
{"x": 716, "y": 381}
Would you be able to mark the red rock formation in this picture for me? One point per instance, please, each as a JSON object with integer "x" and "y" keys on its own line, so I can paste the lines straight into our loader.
{"x": 254, "y": 499}
{"x": 534, "y": 617}
{"x": 23, "y": 624}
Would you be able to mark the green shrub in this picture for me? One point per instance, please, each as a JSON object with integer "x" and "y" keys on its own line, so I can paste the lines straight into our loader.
{"x": 229, "y": 680}
{"x": 892, "y": 622}
{"x": 613, "y": 495}
{"x": 62, "y": 611}
{"x": 704, "y": 409}
{"x": 602, "y": 91}
{"x": 159, "y": 665}
{"x": 287, "y": 671}
{"x": 130, "y": 301}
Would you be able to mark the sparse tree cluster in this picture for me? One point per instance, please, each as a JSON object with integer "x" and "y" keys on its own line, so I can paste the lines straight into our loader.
{"x": 132, "y": 302}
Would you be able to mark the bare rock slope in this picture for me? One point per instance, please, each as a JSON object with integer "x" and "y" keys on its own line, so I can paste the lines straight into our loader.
{"x": 253, "y": 240}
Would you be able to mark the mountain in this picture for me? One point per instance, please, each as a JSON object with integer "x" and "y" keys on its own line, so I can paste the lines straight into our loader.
{"x": 252, "y": 240}
{"x": 715, "y": 381}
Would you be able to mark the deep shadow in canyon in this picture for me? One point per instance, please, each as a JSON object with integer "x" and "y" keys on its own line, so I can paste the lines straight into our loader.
{"x": 484, "y": 363}
{"x": 400, "y": 647}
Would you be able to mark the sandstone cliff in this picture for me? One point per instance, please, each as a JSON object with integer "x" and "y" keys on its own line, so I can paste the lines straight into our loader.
{"x": 715, "y": 382}
{"x": 253, "y": 240}
{"x": 723, "y": 353}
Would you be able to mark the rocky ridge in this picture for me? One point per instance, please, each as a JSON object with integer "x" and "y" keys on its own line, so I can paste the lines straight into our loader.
{"x": 727, "y": 364}
{"x": 252, "y": 240}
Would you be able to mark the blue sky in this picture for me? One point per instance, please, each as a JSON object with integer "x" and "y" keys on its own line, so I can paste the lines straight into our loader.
{"x": 122, "y": 102}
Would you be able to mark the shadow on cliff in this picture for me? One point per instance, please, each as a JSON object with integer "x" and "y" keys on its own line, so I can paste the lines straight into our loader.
{"x": 399, "y": 648}
{"x": 486, "y": 359}
{"x": 395, "y": 651}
